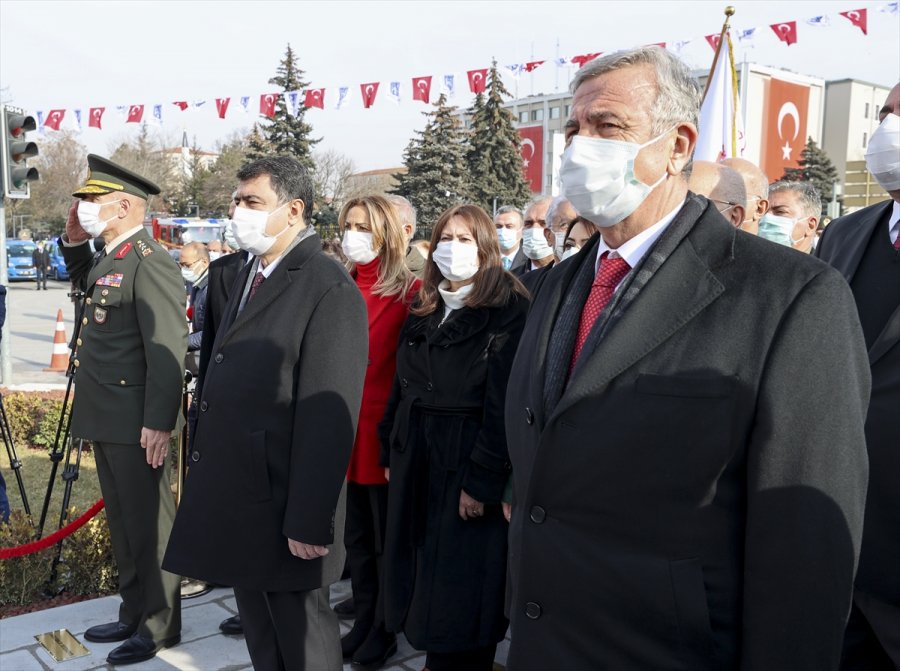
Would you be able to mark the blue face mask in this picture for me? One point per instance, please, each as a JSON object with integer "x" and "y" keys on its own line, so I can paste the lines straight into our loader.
{"x": 508, "y": 237}
{"x": 777, "y": 229}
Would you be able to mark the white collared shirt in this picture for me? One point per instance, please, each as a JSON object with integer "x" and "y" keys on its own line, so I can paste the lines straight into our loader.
{"x": 894, "y": 223}
{"x": 634, "y": 249}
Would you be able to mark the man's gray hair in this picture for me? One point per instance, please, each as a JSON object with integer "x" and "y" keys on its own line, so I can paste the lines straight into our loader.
{"x": 506, "y": 209}
{"x": 678, "y": 92}
{"x": 405, "y": 210}
{"x": 807, "y": 195}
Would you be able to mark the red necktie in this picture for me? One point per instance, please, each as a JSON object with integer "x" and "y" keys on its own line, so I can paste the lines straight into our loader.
{"x": 897, "y": 241}
{"x": 257, "y": 282}
{"x": 609, "y": 274}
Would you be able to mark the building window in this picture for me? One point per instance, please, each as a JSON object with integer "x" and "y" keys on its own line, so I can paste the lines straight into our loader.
{"x": 537, "y": 115}
{"x": 867, "y": 112}
{"x": 554, "y": 112}
{"x": 568, "y": 110}
{"x": 523, "y": 117}
{"x": 865, "y": 138}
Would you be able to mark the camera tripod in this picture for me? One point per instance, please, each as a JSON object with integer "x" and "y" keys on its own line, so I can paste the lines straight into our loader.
{"x": 14, "y": 462}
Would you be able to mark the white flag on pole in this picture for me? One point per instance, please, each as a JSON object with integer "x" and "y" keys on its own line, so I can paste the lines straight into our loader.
{"x": 721, "y": 126}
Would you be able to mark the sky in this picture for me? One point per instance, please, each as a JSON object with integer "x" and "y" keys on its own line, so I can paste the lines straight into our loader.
{"x": 80, "y": 54}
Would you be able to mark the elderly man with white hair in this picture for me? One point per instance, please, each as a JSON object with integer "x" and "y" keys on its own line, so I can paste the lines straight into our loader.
{"x": 681, "y": 451}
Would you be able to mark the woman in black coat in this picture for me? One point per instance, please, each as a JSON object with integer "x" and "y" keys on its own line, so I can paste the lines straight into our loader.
{"x": 444, "y": 445}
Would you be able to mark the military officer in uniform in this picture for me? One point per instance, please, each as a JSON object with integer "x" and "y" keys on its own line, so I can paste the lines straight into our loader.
{"x": 128, "y": 382}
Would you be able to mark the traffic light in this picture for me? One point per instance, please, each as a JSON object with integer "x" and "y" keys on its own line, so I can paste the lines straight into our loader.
{"x": 17, "y": 175}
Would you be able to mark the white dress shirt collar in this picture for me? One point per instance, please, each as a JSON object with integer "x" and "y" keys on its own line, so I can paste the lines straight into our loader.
{"x": 634, "y": 249}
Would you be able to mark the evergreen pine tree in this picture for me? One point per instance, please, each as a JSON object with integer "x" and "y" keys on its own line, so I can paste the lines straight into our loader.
{"x": 815, "y": 168}
{"x": 257, "y": 144}
{"x": 494, "y": 157}
{"x": 436, "y": 177}
{"x": 288, "y": 134}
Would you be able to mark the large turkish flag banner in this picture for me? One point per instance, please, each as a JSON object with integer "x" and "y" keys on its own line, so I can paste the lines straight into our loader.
{"x": 784, "y": 129}
{"x": 533, "y": 156}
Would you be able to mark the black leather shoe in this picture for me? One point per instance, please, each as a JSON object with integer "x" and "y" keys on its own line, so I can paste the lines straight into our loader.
{"x": 354, "y": 639}
{"x": 377, "y": 649}
{"x": 139, "y": 649}
{"x": 109, "y": 633}
{"x": 232, "y": 626}
{"x": 345, "y": 610}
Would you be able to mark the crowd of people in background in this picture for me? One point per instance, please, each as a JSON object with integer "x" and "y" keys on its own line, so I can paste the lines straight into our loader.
{"x": 620, "y": 423}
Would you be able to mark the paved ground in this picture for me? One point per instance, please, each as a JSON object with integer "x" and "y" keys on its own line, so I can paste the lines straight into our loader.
{"x": 202, "y": 648}
{"x": 32, "y": 323}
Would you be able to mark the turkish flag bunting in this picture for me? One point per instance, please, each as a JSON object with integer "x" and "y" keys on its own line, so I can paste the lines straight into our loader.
{"x": 421, "y": 87}
{"x": 477, "y": 80}
{"x": 661, "y": 45}
{"x": 369, "y": 91}
{"x": 714, "y": 40}
{"x": 222, "y": 106}
{"x": 533, "y": 65}
{"x": 181, "y": 104}
{"x": 584, "y": 58}
{"x": 54, "y": 118}
{"x": 787, "y": 31}
{"x": 858, "y": 18}
{"x": 96, "y": 117}
{"x": 267, "y": 104}
{"x": 314, "y": 98}
{"x": 135, "y": 114}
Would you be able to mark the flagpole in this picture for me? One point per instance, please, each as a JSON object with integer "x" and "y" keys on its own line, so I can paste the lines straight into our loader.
{"x": 729, "y": 12}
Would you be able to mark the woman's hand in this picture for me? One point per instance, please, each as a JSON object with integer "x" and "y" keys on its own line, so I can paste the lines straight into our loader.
{"x": 387, "y": 474}
{"x": 507, "y": 510}
{"x": 469, "y": 508}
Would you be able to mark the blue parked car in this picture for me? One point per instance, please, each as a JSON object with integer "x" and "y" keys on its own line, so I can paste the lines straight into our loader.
{"x": 18, "y": 260}
{"x": 57, "y": 266}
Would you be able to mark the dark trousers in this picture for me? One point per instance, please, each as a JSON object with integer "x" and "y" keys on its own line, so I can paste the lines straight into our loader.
{"x": 364, "y": 538}
{"x": 41, "y": 277}
{"x": 481, "y": 659}
{"x": 872, "y": 639}
{"x": 290, "y": 631}
{"x": 140, "y": 509}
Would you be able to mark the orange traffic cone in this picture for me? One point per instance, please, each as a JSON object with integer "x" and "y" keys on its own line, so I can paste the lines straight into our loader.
{"x": 59, "y": 362}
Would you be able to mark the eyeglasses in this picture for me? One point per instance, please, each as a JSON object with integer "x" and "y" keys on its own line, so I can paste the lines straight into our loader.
{"x": 727, "y": 203}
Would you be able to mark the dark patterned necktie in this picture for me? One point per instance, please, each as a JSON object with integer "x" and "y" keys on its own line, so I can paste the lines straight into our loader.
{"x": 609, "y": 274}
{"x": 258, "y": 279}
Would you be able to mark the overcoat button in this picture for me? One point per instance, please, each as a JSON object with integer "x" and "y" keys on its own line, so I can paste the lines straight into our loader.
{"x": 195, "y": 456}
{"x": 122, "y": 382}
{"x": 404, "y": 382}
{"x": 411, "y": 343}
{"x": 84, "y": 321}
{"x": 429, "y": 387}
{"x": 529, "y": 416}
{"x": 88, "y": 300}
{"x": 76, "y": 363}
{"x": 203, "y": 406}
{"x": 103, "y": 301}
{"x": 220, "y": 357}
{"x": 533, "y": 610}
{"x": 538, "y": 514}
{"x": 78, "y": 342}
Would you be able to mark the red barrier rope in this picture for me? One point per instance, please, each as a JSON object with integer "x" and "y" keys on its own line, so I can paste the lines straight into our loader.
{"x": 54, "y": 538}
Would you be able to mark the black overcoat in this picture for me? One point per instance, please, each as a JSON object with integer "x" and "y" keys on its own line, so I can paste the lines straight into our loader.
{"x": 443, "y": 432}
{"x": 695, "y": 498}
{"x": 843, "y": 245}
{"x": 278, "y": 413}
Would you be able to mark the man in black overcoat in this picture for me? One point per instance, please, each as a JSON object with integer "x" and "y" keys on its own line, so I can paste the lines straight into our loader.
{"x": 684, "y": 416}
{"x": 264, "y": 498}
{"x": 865, "y": 247}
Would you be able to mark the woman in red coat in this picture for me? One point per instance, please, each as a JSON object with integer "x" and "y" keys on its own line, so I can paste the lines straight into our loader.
{"x": 375, "y": 243}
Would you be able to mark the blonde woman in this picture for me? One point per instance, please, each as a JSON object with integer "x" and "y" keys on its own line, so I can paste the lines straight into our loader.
{"x": 375, "y": 245}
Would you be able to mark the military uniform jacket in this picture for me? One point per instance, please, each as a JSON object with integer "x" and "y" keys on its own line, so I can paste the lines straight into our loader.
{"x": 133, "y": 339}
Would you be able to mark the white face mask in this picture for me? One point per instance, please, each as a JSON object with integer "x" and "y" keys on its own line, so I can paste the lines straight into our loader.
{"x": 188, "y": 273}
{"x": 570, "y": 252}
{"x": 214, "y": 255}
{"x": 597, "y": 177}
{"x": 89, "y": 217}
{"x": 508, "y": 237}
{"x": 559, "y": 246}
{"x": 357, "y": 246}
{"x": 883, "y": 153}
{"x": 456, "y": 260}
{"x": 534, "y": 244}
{"x": 249, "y": 229}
